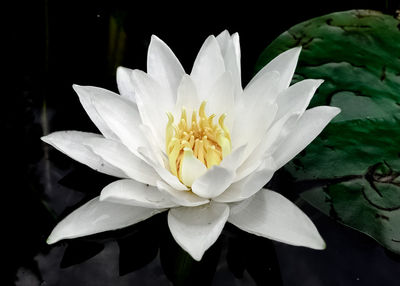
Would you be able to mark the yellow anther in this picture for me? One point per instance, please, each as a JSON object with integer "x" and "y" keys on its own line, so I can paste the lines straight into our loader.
{"x": 202, "y": 110}
{"x": 221, "y": 122}
{"x": 212, "y": 157}
{"x": 201, "y": 138}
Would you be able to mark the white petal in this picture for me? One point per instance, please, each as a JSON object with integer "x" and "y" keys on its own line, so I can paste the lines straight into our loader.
{"x": 307, "y": 128}
{"x": 118, "y": 155}
{"x": 251, "y": 128}
{"x": 251, "y": 184}
{"x": 263, "y": 88}
{"x": 191, "y": 168}
{"x": 163, "y": 66}
{"x": 166, "y": 175}
{"x": 86, "y": 94}
{"x": 182, "y": 198}
{"x": 223, "y": 40}
{"x": 268, "y": 144}
{"x": 122, "y": 116}
{"x": 230, "y": 49}
{"x": 187, "y": 96}
{"x": 220, "y": 99}
{"x": 153, "y": 102}
{"x": 254, "y": 113}
{"x": 95, "y": 217}
{"x": 208, "y": 66}
{"x": 130, "y": 192}
{"x": 125, "y": 85}
{"x": 196, "y": 229}
{"x": 214, "y": 182}
{"x": 296, "y": 98}
{"x": 285, "y": 64}
{"x": 71, "y": 143}
{"x": 271, "y": 215}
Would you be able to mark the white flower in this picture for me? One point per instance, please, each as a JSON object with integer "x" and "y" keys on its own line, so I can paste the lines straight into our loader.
{"x": 196, "y": 145}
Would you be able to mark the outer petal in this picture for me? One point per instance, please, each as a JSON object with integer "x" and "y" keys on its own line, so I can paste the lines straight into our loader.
{"x": 196, "y": 229}
{"x": 254, "y": 110}
{"x": 95, "y": 217}
{"x": 163, "y": 66}
{"x": 251, "y": 184}
{"x": 230, "y": 49}
{"x": 71, "y": 143}
{"x": 285, "y": 64}
{"x": 166, "y": 175}
{"x": 130, "y": 192}
{"x": 296, "y": 98}
{"x": 122, "y": 117}
{"x": 208, "y": 66}
{"x": 268, "y": 144}
{"x": 182, "y": 198}
{"x": 118, "y": 155}
{"x": 86, "y": 94}
{"x": 153, "y": 102}
{"x": 271, "y": 215}
{"x": 307, "y": 128}
{"x": 214, "y": 182}
{"x": 125, "y": 85}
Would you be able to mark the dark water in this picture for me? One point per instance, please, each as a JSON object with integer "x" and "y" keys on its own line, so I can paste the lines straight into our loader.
{"x": 54, "y": 45}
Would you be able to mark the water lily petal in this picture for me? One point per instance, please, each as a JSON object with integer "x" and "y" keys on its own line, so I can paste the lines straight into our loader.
{"x": 96, "y": 216}
{"x": 187, "y": 96}
{"x": 208, "y": 66}
{"x": 249, "y": 185}
{"x": 133, "y": 193}
{"x": 182, "y": 198}
{"x": 296, "y": 98}
{"x": 254, "y": 113}
{"x": 264, "y": 88}
{"x": 233, "y": 160}
{"x": 86, "y": 94}
{"x": 191, "y": 168}
{"x": 221, "y": 98}
{"x": 251, "y": 128}
{"x": 153, "y": 102}
{"x": 163, "y": 66}
{"x": 125, "y": 85}
{"x": 230, "y": 49}
{"x": 122, "y": 116}
{"x": 214, "y": 182}
{"x": 271, "y": 140}
{"x": 307, "y": 128}
{"x": 271, "y": 215}
{"x": 285, "y": 64}
{"x": 116, "y": 154}
{"x": 196, "y": 229}
{"x": 71, "y": 143}
{"x": 166, "y": 175}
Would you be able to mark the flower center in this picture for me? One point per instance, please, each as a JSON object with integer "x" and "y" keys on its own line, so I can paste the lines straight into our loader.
{"x": 199, "y": 137}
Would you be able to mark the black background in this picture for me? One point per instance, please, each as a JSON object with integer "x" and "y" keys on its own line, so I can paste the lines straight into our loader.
{"x": 54, "y": 44}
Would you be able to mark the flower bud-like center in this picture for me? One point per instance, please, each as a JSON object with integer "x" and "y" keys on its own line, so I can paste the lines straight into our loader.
{"x": 197, "y": 137}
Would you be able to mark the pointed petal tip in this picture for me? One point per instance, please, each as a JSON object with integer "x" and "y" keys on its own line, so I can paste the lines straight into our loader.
{"x": 45, "y": 138}
{"x": 50, "y": 240}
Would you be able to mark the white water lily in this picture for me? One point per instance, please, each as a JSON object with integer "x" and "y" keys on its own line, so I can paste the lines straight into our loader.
{"x": 196, "y": 145}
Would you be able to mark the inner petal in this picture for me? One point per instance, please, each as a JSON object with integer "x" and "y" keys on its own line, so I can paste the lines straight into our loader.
{"x": 197, "y": 136}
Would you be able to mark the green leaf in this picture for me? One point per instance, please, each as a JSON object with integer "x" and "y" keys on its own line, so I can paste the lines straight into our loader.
{"x": 352, "y": 170}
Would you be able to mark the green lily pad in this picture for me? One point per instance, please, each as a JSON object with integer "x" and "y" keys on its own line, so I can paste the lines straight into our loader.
{"x": 352, "y": 170}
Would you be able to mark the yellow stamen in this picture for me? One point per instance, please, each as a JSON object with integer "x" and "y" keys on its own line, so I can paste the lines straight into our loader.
{"x": 208, "y": 142}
